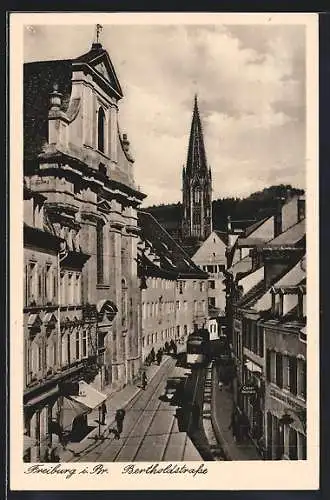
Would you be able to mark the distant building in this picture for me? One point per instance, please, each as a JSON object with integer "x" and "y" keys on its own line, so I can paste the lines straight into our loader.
{"x": 173, "y": 288}
{"x": 211, "y": 257}
{"x": 196, "y": 185}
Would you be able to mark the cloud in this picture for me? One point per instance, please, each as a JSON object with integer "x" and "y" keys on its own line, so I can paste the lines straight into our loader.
{"x": 251, "y": 88}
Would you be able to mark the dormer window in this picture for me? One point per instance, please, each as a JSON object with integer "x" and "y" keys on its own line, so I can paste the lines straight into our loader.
{"x": 277, "y": 304}
{"x": 100, "y": 130}
{"x": 301, "y": 209}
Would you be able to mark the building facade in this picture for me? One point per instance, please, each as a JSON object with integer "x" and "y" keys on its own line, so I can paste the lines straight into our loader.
{"x": 173, "y": 288}
{"x": 196, "y": 185}
{"x": 211, "y": 257}
{"x": 79, "y": 178}
{"x": 268, "y": 287}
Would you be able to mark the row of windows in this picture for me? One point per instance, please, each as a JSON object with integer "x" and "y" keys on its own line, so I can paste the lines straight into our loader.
{"x": 287, "y": 372}
{"x": 40, "y": 284}
{"x": 283, "y": 304}
{"x": 42, "y": 356}
{"x": 284, "y": 440}
{"x": 214, "y": 268}
{"x": 153, "y": 338}
{"x": 70, "y": 288}
{"x": 153, "y": 309}
{"x": 253, "y": 337}
{"x": 199, "y": 306}
{"x": 161, "y": 283}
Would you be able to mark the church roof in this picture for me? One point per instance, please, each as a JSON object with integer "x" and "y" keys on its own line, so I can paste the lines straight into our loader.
{"x": 196, "y": 159}
{"x": 170, "y": 255}
{"x": 39, "y": 79}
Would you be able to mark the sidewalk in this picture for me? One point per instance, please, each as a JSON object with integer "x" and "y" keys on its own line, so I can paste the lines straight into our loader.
{"x": 222, "y": 405}
{"x": 115, "y": 401}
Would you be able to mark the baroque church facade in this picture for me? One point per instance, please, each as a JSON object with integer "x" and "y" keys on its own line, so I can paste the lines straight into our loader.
{"x": 82, "y": 291}
{"x": 196, "y": 185}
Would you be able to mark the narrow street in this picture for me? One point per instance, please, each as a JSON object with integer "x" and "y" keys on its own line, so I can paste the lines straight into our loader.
{"x": 154, "y": 428}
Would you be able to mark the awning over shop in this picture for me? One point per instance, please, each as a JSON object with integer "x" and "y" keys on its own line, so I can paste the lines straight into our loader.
{"x": 88, "y": 396}
{"x": 253, "y": 367}
{"x": 70, "y": 410}
{"x": 45, "y": 395}
{"x": 28, "y": 442}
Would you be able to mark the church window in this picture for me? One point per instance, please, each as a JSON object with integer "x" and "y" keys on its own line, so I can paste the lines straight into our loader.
{"x": 196, "y": 217}
{"x": 197, "y": 195}
{"x": 100, "y": 130}
{"x": 124, "y": 303}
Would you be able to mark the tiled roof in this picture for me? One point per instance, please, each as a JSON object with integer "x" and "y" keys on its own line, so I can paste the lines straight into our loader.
{"x": 223, "y": 236}
{"x": 171, "y": 256}
{"x": 39, "y": 80}
{"x": 242, "y": 266}
{"x": 295, "y": 276}
{"x": 249, "y": 230}
{"x": 292, "y": 236}
{"x": 249, "y": 242}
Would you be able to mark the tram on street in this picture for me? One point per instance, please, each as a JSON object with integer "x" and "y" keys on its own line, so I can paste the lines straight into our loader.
{"x": 198, "y": 345}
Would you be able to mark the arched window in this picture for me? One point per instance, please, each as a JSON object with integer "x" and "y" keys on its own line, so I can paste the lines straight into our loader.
{"x": 99, "y": 252}
{"x": 123, "y": 303}
{"x": 100, "y": 129}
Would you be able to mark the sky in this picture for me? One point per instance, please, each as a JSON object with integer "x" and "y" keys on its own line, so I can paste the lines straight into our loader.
{"x": 250, "y": 82}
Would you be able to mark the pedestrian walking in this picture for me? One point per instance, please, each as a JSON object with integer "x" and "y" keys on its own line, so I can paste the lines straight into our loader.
{"x": 233, "y": 425}
{"x": 51, "y": 453}
{"x": 103, "y": 412}
{"x": 167, "y": 347}
{"x": 120, "y": 415}
{"x": 47, "y": 453}
{"x": 152, "y": 355}
{"x": 159, "y": 357}
{"x": 144, "y": 380}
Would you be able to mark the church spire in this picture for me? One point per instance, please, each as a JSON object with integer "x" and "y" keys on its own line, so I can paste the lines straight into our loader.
{"x": 196, "y": 184}
{"x": 196, "y": 158}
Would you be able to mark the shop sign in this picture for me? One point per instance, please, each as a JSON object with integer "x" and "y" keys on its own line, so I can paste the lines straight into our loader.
{"x": 248, "y": 390}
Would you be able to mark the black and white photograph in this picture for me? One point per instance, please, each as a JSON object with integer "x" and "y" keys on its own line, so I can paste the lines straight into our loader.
{"x": 166, "y": 172}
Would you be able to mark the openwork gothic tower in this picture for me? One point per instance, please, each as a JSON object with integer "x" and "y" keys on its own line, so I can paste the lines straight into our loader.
{"x": 196, "y": 185}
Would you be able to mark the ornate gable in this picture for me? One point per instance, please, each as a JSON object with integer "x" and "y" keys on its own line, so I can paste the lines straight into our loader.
{"x": 98, "y": 63}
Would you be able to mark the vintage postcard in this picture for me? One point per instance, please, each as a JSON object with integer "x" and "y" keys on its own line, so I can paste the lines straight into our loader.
{"x": 163, "y": 229}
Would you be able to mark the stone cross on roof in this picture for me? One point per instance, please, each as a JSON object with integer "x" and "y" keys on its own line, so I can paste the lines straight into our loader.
{"x": 98, "y": 28}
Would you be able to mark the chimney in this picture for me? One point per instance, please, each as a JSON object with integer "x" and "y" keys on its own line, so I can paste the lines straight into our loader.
{"x": 278, "y": 217}
{"x": 276, "y": 262}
